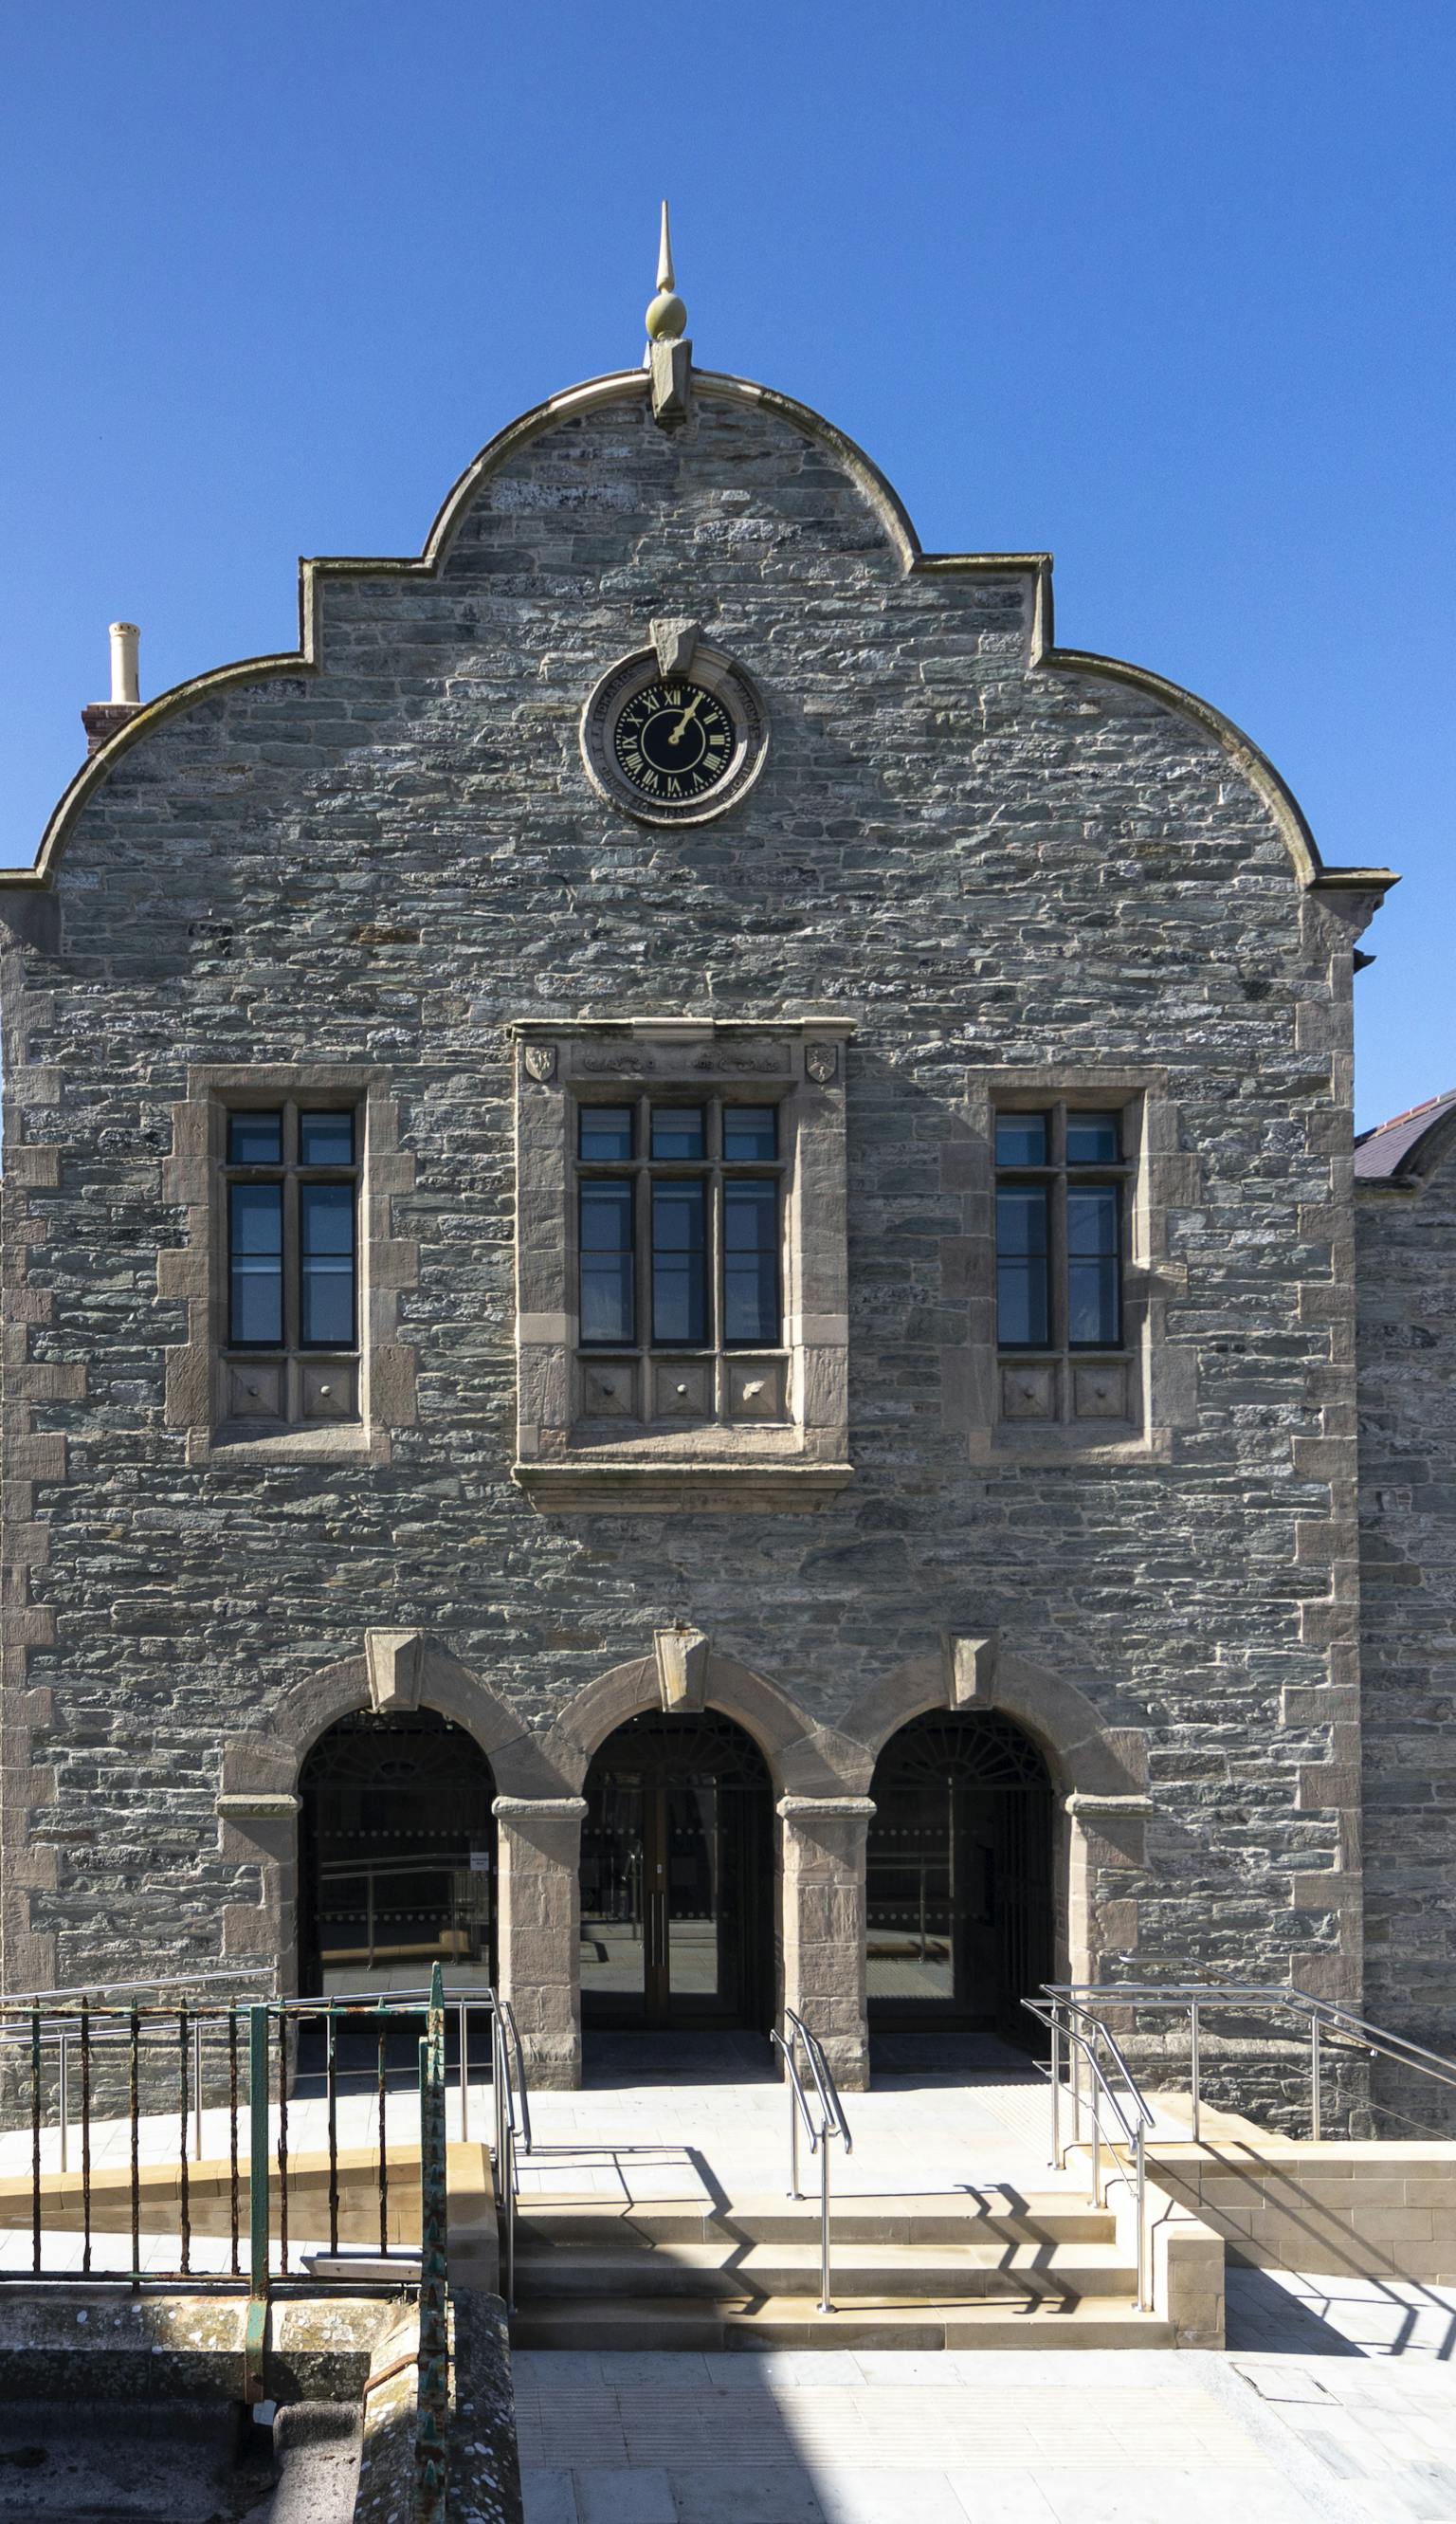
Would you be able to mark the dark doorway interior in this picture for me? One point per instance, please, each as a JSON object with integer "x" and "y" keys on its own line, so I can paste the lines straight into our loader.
{"x": 397, "y": 1856}
{"x": 677, "y": 1878}
{"x": 959, "y": 1889}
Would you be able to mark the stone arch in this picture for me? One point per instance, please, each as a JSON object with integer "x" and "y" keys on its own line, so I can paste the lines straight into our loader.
{"x": 1087, "y": 1757}
{"x": 258, "y": 1803}
{"x": 1098, "y": 1772}
{"x": 803, "y": 1760}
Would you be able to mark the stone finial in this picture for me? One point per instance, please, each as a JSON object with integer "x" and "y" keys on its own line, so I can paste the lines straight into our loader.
{"x": 666, "y": 316}
{"x": 396, "y": 1663}
{"x": 669, "y": 355}
{"x": 682, "y": 1655}
{"x": 970, "y": 1669}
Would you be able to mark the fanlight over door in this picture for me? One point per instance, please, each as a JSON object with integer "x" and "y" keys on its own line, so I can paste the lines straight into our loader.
{"x": 958, "y": 1888}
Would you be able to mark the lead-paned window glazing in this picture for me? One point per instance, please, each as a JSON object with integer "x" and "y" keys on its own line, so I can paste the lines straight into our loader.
{"x": 1060, "y": 1203}
{"x": 290, "y": 1224}
{"x": 679, "y": 1208}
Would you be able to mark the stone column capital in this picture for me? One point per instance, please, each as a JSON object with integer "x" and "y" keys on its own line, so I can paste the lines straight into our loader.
{"x": 542, "y": 1809}
{"x": 827, "y": 1809}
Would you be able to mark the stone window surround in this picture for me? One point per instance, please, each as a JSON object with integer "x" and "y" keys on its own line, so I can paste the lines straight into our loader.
{"x": 195, "y": 1270}
{"x": 1163, "y": 1372}
{"x": 796, "y": 1463}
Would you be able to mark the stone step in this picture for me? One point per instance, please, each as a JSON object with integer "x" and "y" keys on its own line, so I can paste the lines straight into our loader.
{"x": 1054, "y": 2217}
{"x": 896, "y": 2274}
{"x": 796, "y": 2322}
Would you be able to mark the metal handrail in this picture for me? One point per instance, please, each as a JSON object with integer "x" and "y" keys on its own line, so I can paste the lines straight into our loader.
{"x": 1055, "y": 2015}
{"x": 1325, "y": 2019}
{"x": 831, "y": 2125}
{"x": 513, "y": 2110}
{"x": 99, "y": 1991}
{"x": 54, "y": 2019}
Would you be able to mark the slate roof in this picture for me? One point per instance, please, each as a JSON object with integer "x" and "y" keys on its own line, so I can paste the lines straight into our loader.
{"x": 1391, "y": 1151}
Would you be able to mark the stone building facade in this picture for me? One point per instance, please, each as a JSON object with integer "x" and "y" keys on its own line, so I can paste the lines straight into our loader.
{"x": 986, "y": 928}
{"x": 1405, "y": 1237}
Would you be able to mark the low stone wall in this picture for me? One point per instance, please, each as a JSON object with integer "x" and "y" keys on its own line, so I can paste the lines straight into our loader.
{"x": 1187, "y": 2263}
{"x": 1364, "y": 2208}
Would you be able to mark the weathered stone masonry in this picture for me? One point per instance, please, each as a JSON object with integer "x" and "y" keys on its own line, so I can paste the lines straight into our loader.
{"x": 1406, "y": 1231}
{"x": 991, "y": 858}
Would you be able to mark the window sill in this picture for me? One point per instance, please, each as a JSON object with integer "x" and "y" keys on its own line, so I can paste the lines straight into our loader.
{"x": 244, "y": 1442}
{"x": 1119, "y": 1442}
{"x": 682, "y": 1484}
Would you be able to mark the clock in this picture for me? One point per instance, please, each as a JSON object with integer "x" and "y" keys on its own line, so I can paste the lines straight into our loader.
{"x": 674, "y": 745}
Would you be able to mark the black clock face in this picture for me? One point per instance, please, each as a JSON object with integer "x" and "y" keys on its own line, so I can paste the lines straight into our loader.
{"x": 674, "y": 740}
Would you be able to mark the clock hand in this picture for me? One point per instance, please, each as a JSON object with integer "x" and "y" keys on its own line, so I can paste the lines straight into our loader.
{"x": 675, "y": 735}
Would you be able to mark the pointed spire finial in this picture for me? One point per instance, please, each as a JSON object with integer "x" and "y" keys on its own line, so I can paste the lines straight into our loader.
{"x": 667, "y": 316}
{"x": 666, "y": 277}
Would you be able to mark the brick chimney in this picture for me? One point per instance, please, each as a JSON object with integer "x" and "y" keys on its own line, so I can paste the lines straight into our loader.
{"x": 101, "y": 719}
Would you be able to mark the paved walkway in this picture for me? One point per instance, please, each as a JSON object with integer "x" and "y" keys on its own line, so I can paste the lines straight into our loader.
{"x": 1335, "y": 2401}
{"x": 1009, "y": 2437}
{"x": 639, "y": 2128}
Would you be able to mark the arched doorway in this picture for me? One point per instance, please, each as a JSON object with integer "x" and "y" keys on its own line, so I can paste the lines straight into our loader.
{"x": 959, "y": 1894}
{"x": 398, "y": 1852}
{"x": 677, "y": 1877}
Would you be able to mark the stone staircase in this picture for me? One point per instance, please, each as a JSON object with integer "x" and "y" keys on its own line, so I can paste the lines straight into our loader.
{"x": 986, "y": 2270}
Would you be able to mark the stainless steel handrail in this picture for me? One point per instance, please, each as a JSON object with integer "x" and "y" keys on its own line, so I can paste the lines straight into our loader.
{"x": 512, "y": 2112}
{"x": 831, "y": 2125}
{"x": 1325, "y": 2021}
{"x": 1055, "y": 2015}
{"x": 98, "y": 1991}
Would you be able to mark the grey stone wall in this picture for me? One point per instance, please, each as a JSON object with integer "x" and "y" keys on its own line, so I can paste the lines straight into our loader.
{"x": 1406, "y": 1245}
{"x": 988, "y": 857}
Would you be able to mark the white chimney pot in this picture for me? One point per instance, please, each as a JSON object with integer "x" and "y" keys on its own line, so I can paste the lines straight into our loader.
{"x": 125, "y": 686}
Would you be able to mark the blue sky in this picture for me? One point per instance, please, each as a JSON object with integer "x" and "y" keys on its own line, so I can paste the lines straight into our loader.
{"x": 1162, "y": 285}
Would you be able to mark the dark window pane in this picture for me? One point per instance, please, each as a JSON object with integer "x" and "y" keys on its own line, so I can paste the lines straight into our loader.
{"x": 677, "y": 1130}
{"x": 1093, "y": 1267}
{"x": 750, "y": 1130}
{"x": 325, "y": 1139}
{"x": 255, "y": 1262}
{"x": 607, "y": 1287}
{"x": 750, "y": 1262}
{"x": 1023, "y": 1316}
{"x": 679, "y": 1263}
{"x": 255, "y": 1138}
{"x": 1094, "y": 1138}
{"x": 1021, "y": 1139}
{"x": 605, "y": 1133}
{"x": 325, "y": 1216}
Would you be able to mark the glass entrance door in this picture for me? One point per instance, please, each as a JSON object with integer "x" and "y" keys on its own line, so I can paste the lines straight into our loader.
{"x": 674, "y": 1908}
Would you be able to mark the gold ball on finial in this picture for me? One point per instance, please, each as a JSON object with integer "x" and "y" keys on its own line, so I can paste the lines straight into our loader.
{"x": 666, "y": 318}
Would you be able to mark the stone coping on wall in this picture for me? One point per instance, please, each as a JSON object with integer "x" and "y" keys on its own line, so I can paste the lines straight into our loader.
{"x": 1372, "y": 2209}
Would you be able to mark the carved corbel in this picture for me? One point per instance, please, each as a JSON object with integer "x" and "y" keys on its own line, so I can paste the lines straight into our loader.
{"x": 396, "y": 1663}
{"x": 682, "y": 1655}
